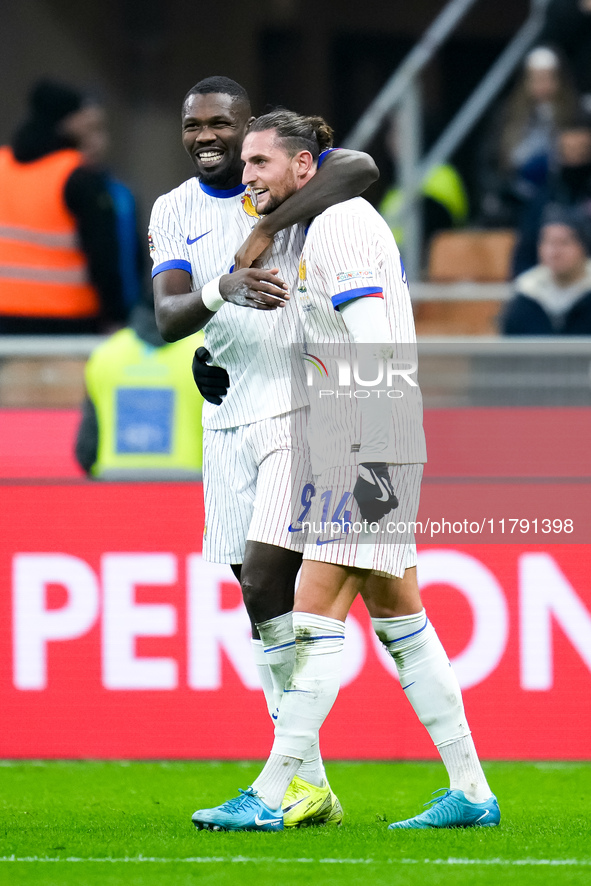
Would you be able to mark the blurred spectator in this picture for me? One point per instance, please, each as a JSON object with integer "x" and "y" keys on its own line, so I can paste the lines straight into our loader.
{"x": 568, "y": 26}
{"x": 519, "y": 147}
{"x": 94, "y": 143}
{"x": 445, "y": 199}
{"x": 554, "y": 298}
{"x": 141, "y": 419}
{"x": 569, "y": 184}
{"x": 60, "y": 252}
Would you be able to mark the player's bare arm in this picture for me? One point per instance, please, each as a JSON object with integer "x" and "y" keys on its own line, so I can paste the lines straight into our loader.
{"x": 343, "y": 175}
{"x": 181, "y": 312}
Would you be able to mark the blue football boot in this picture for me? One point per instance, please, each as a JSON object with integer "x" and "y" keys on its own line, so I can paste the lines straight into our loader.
{"x": 244, "y": 813}
{"x": 452, "y": 810}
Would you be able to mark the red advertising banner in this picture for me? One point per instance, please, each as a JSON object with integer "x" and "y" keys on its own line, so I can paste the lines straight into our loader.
{"x": 118, "y": 641}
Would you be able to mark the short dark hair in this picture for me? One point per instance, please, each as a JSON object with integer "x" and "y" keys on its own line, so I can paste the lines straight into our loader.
{"x": 297, "y": 132}
{"x": 571, "y": 217}
{"x": 223, "y": 85}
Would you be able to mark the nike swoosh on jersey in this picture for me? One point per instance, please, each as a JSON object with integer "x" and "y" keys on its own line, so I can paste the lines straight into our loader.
{"x": 290, "y": 528}
{"x": 329, "y": 541}
{"x": 194, "y": 240}
{"x": 261, "y": 822}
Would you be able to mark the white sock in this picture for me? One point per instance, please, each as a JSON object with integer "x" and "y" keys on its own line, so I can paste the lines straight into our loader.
{"x": 274, "y": 780}
{"x": 307, "y": 699}
{"x": 264, "y": 675}
{"x": 431, "y": 686}
{"x": 278, "y": 645}
{"x": 312, "y": 767}
{"x": 278, "y": 641}
{"x": 465, "y": 772}
{"x": 314, "y": 684}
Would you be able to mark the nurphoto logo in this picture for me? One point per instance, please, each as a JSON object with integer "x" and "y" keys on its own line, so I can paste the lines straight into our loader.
{"x": 373, "y": 375}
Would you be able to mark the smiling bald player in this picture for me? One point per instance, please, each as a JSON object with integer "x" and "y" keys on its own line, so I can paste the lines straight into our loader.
{"x": 195, "y": 231}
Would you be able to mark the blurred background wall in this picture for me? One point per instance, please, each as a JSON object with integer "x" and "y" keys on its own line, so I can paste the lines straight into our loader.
{"x": 329, "y": 57}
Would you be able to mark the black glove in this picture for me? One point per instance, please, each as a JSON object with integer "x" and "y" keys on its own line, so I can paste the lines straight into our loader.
{"x": 212, "y": 381}
{"x": 373, "y": 491}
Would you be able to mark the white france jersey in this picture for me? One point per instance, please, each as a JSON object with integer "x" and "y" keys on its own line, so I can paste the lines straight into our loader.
{"x": 198, "y": 229}
{"x": 350, "y": 253}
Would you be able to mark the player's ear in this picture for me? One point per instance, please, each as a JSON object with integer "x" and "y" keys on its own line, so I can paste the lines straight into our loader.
{"x": 304, "y": 162}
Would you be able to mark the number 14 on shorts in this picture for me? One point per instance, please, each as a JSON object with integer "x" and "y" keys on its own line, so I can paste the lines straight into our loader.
{"x": 330, "y": 511}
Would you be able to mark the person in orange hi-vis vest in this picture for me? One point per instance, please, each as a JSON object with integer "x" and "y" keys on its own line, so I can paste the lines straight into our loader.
{"x": 60, "y": 262}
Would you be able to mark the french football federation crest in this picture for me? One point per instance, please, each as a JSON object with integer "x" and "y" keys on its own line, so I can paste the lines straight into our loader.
{"x": 248, "y": 204}
{"x": 302, "y": 275}
{"x": 304, "y": 298}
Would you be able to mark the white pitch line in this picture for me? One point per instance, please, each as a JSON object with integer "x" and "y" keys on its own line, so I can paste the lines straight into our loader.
{"x": 242, "y": 859}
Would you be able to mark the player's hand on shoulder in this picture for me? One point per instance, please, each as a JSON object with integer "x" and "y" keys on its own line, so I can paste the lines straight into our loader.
{"x": 373, "y": 491}
{"x": 258, "y": 242}
{"x": 258, "y": 288}
{"x": 212, "y": 381}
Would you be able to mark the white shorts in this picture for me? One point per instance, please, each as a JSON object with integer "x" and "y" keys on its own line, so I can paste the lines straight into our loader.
{"x": 335, "y": 532}
{"x": 249, "y": 474}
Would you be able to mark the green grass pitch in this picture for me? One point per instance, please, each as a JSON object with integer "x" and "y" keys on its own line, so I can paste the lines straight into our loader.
{"x": 86, "y": 823}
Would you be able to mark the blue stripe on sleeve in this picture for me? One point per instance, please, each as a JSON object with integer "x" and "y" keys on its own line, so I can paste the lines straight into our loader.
{"x": 179, "y": 263}
{"x": 350, "y": 294}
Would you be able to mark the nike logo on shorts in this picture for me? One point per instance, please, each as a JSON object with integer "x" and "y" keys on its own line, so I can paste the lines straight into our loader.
{"x": 329, "y": 541}
{"x": 194, "y": 240}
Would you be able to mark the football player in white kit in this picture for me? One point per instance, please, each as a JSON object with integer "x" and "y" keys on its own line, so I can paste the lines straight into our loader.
{"x": 195, "y": 231}
{"x": 352, "y": 290}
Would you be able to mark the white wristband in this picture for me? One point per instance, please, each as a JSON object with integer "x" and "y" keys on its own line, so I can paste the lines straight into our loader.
{"x": 210, "y": 295}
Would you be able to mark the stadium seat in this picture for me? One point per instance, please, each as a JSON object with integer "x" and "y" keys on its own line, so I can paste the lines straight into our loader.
{"x": 478, "y": 256}
{"x": 482, "y": 256}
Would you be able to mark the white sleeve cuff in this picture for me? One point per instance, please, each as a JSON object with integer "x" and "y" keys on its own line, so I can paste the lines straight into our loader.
{"x": 210, "y": 295}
